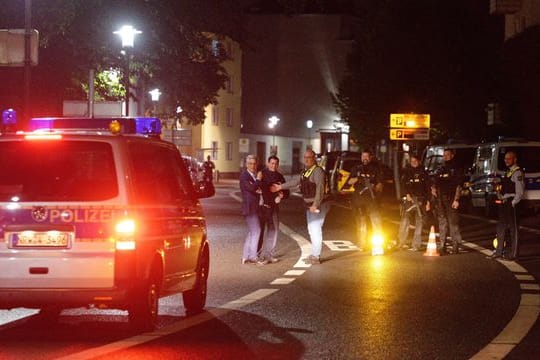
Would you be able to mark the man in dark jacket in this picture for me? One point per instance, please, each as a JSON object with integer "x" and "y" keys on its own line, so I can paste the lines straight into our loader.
{"x": 250, "y": 186}
{"x": 446, "y": 192}
{"x": 270, "y": 209}
{"x": 415, "y": 185}
{"x": 367, "y": 181}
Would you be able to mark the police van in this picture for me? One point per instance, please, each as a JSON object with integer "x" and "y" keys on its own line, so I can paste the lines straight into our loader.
{"x": 99, "y": 213}
{"x": 489, "y": 167}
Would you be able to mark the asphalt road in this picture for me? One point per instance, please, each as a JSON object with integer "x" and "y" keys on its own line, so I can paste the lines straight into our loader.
{"x": 402, "y": 305}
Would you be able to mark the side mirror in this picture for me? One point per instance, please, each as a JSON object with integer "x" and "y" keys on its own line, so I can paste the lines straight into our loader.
{"x": 206, "y": 189}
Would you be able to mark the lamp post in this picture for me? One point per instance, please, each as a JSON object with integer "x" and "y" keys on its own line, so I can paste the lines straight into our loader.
{"x": 272, "y": 123}
{"x": 309, "y": 125}
{"x": 127, "y": 34}
{"x": 154, "y": 94}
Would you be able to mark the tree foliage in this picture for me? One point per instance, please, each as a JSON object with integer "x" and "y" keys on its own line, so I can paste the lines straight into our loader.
{"x": 174, "y": 51}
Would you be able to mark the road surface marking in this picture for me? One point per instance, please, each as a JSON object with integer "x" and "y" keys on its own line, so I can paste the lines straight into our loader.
{"x": 294, "y": 272}
{"x": 282, "y": 281}
{"x": 171, "y": 329}
{"x": 341, "y": 245}
{"x": 523, "y": 320}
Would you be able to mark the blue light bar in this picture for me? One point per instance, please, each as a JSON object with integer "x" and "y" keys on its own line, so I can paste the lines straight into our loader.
{"x": 138, "y": 125}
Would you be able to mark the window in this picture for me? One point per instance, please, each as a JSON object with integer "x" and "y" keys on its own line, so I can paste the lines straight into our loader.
{"x": 57, "y": 171}
{"x": 229, "y": 151}
{"x": 158, "y": 174}
{"x": 215, "y": 116}
{"x": 229, "y": 84}
{"x": 230, "y": 118}
{"x": 214, "y": 150}
{"x": 215, "y": 47}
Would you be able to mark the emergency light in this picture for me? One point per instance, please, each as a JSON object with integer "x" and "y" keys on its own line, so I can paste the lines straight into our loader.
{"x": 133, "y": 125}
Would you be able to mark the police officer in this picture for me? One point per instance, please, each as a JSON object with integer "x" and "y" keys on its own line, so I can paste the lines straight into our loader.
{"x": 446, "y": 191}
{"x": 367, "y": 181}
{"x": 510, "y": 194}
{"x": 415, "y": 185}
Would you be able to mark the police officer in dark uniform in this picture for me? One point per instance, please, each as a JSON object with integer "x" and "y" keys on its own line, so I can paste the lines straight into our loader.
{"x": 446, "y": 192}
{"x": 509, "y": 194}
{"x": 367, "y": 181}
{"x": 415, "y": 185}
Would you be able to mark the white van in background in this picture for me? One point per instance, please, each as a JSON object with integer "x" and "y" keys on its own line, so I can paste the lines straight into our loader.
{"x": 432, "y": 157}
{"x": 489, "y": 166}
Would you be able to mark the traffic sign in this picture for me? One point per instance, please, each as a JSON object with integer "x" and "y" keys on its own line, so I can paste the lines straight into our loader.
{"x": 411, "y": 121}
{"x": 409, "y": 134}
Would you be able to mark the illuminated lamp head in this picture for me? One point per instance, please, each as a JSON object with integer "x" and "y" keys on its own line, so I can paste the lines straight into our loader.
{"x": 115, "y": 127}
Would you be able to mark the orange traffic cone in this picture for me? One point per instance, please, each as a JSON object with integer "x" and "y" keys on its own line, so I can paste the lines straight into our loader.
{"x": 431, "y": 249}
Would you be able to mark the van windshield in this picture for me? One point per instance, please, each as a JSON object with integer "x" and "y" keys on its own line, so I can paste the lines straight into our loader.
{"x": 527, "y": 158}
{"x": 56, "y": 171}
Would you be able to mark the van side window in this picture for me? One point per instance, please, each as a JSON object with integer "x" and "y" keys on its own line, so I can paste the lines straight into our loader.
{"x": 483, "y": 164}
{"x": 527, "y": 158}
{"x": 157, "y": 174}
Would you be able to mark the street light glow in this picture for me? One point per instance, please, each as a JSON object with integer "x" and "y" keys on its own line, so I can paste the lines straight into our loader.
{"x": 273, "y": 121}
{"x": 127, "y": 34}
{"x": 309, "y": 124}
{"x": 155, "y": 94}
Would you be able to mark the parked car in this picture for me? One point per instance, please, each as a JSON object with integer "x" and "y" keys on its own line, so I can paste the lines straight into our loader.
{"x": 343, "y": 162}
{"x": 195, "y": 170}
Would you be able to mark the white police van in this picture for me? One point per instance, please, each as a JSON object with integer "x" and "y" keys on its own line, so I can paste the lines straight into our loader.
{"x": 101, "y": 213}
{"x": 489, "y": 167}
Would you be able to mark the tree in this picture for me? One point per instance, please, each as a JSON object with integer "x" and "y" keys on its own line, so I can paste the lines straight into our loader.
{"x": 175, "y": 52}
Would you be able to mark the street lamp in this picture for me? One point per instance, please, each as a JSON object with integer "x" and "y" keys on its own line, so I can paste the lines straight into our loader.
{"x": 309, "y": 125}
{"x": 272, "y": 123}
{"x": 154, "y": 94}
{"x": 127, "y": 34}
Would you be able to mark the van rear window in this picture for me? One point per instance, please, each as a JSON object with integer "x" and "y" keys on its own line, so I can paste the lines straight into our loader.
{"x": 57, "y": 171}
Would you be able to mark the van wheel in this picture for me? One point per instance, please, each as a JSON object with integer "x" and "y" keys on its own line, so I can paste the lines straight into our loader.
{"x": 143, "y": 312}
{"x": 195, "y": 299}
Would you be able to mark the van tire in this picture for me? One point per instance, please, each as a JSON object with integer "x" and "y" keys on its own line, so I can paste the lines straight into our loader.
{"x": 143, "y": 312}
{"x": 195, "y": 299}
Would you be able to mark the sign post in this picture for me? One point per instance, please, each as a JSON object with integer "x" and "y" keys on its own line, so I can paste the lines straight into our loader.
{"x": 405, "y": 127}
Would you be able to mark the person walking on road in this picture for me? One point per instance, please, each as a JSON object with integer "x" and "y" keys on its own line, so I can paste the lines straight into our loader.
{"x": 510, "y": 193}
{"x": 415, "y": 185}
{"x": 446, "y": 192}
{"x": 208, "y": 169}
{"x": 367, "y": 181}
{"x": 269, "y": 211}
{"x": 250, "y": 187}
{"x": 312, "y": 182}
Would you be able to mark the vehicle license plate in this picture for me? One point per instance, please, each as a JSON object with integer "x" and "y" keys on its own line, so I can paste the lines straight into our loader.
{"x": 40, "y": 239}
